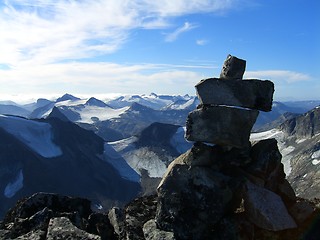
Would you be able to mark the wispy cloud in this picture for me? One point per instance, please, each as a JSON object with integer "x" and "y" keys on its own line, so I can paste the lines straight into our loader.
{"x": 45, "y": 45}
{"x": 201, "y": 42}
{"x": 176, "y": 33}
{"x": 279, "y": 75}
{"x": 49, "y": 31}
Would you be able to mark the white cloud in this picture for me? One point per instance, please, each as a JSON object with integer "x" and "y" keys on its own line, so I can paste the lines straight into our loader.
{"x": 100, "y": 77}
{"x": 175, "y": 34}
{"x": 42, "y": 41}
{"x": 278, "y": 75}
{"x": 44, "y": 31}
{"x": 201, "y": 42}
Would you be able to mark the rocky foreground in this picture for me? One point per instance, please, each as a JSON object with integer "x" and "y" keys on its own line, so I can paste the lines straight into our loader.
{"x": 45, "y": 216}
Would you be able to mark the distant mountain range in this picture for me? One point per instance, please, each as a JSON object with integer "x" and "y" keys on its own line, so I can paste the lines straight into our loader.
{"x": 128, "y": 115}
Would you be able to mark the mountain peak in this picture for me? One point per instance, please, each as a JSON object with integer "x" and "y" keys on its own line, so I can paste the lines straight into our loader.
{"x": 95, "y": 102}
{"x": 66, "y": 97}
{"x": 56, "y": 113}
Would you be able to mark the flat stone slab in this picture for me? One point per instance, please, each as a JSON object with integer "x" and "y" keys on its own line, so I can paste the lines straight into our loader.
{"x": 266, "y": 210}
{"x": 226, "y": 126}
{"x": 233, "y": 68}
{"x": 249, "y": 93}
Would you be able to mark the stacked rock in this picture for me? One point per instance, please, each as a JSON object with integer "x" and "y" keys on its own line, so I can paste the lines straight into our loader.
{"x": 230, "y": 184}
{"x": 229, "y": 106}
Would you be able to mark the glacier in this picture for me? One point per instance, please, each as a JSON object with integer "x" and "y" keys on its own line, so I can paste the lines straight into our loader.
{"x": 36, "y": 135}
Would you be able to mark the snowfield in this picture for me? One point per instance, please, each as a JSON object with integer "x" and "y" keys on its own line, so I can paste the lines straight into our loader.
{"x": 102, "y": 113}
{"x": 137, "y": 158}
{"x": 37, "y": 135}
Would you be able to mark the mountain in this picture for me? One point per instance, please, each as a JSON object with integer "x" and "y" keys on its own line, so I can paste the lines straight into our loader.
{"x": 67, "y": 97}
{"x": 153, "y": 100}
{"x": 148, "y": 154}
{"x": 278, "y": 109}
{"x": 51, "y": 155}
{"x": 298, "y": 141}
{"x": 13, "y": 110}
{"x": 95, "y": 102}
{"x": 152, "y": 150}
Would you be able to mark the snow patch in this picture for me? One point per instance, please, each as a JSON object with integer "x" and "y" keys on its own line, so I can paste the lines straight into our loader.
{"x": 143, "y": 158}
{"x": 273, "y": 133}
{"x": 287, "y": 150}
{"x": 36, "y": 135}
{"x": 103, "y": 113}
{"x": 315, "y": 161}
{"x": 13, "y": 187}
{"x": 123, "y": 144}
{"x": 316, "y": 154}
{"x": 300, "y": 140}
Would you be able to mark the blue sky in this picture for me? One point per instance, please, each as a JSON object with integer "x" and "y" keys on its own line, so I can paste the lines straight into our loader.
{"x": 98, "y": 47}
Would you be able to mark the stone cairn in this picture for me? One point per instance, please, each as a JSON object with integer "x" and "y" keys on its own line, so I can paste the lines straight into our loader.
{"x": 224, "y": 182}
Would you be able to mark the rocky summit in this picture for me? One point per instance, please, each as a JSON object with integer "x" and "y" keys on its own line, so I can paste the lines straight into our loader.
{"x": 224, "y": 187}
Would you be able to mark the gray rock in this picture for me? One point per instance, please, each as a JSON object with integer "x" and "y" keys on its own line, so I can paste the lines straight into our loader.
{"x": 266, "y": 158}
{"x": 301, "y": 211}
{"x": 191, "y": 199}
{"x": 249, "y": 93}
{"x": 137, "y": 213}
{"x": 59, "y": 203}
{"x": 233, "y": 68}
{"x": 266, "y": 210}
{"x": 61, "y": 228}
{"x": 116, "y": 219}
{"x": 33, "y": 235}
{"x": 221, "y": 125}
{"x": 286, "y": 192}
{"x": 151, "y": 232}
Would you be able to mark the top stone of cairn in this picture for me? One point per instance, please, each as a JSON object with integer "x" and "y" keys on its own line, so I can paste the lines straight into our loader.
{"x": 233, "y": 68}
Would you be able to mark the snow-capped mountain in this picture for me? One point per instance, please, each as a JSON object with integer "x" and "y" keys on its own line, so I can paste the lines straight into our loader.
{"x": 152, "y": 101}
{"x": 299, "y": 143}
{"x": 51, "y": 155}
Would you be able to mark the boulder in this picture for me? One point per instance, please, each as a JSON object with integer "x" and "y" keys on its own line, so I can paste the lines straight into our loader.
{"x": 266, "y": 158}
{"x": 233, "y": 68}
{"x": 151, "y": 232}
{"x": 137, "y": 213}
{"x": 61, "y": 228}
{"x": 99, "y": 224}
{"x": 57, "y": 203}
{"x": 116, "y": 219}
{"x": 249, "y": 93}
{"x": 226, "y": 126}
{"x": 266, "y": 210}
{"x": 191, "y": 199}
